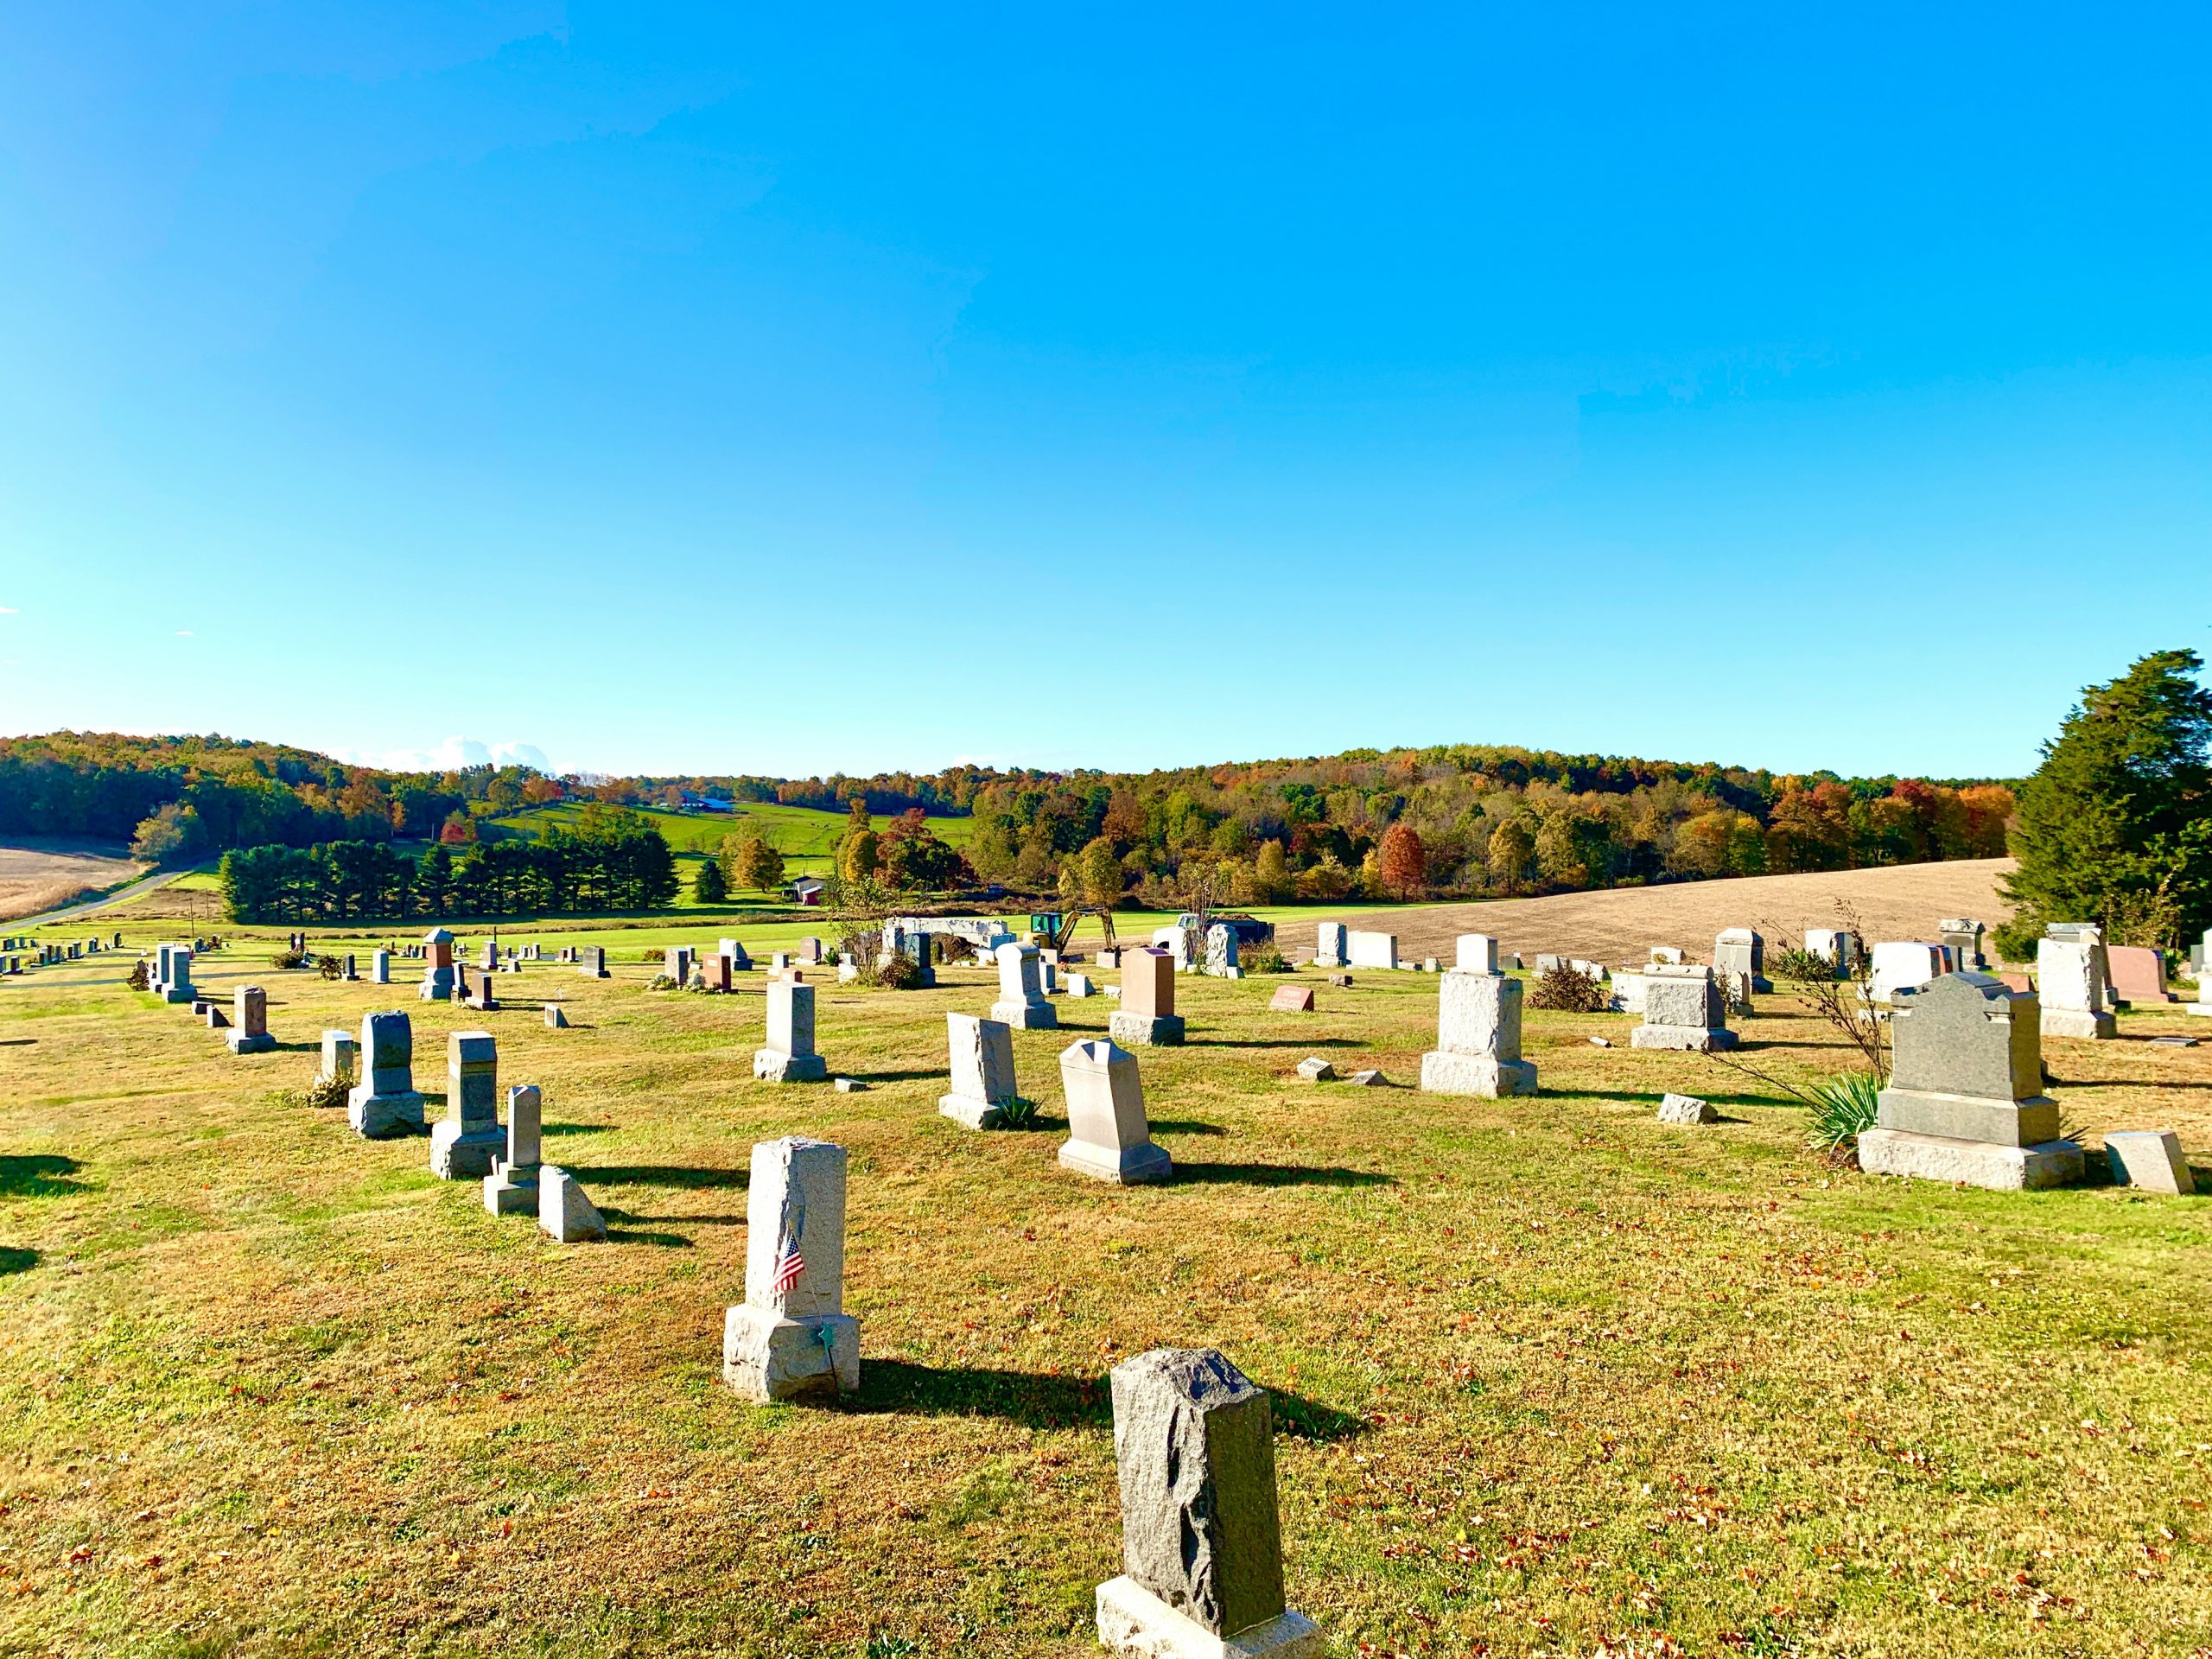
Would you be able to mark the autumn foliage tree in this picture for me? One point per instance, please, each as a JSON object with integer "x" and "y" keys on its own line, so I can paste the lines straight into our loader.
{"x": 1402, "y": 862}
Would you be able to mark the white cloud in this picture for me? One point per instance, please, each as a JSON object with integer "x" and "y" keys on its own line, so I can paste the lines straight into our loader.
{"x": 184, "y": 633}
{"x": 452, "y": 755}
{"x": 9, "y": 610}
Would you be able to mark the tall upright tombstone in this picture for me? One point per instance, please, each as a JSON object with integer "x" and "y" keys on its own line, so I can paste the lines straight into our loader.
{"x": 1740, "y": 953}
{"x": 1965, "y": 1100}
{"x": 512, "y": 1187}
{"x": 380, "y": 968}
{"x": 249, "y": 1032}
{"x": 1683, "y": 1010}
{"x": 384, "y": 1104}
{"x": 464, "y": 1143}
{"x": 1108, "y": 1136}
{"x": 1330, "y": 953}
{"x": 1146, "y": 1017}
{"x": 1221, "y": 952}
{"x": 1371, "y": 950}
{"x": 2074, "y": 983}
{"x": 437, "y": 976}
{"x": 1901, "y": 965}
{"x": 176, "y": 982}
{"x": 739, "y": 961}
{"x": 1201, "y": 1534}
{"x": 1837, "y": 946}
{"x": 1022, "y": 1003}
{"x": 2203, "y": 1007}
{"x": 591, "y": 962}
{"x": 676, "y": 962}
{"x": 981, "y": 1057}
{"x": 1479, "y": 1039}
{"x": 2138, "y": 975}
{"x": 791, "y": 1337}
{"x": 789, "y": 1055}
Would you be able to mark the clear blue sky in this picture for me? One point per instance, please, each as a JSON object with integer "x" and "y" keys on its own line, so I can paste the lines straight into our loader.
{"x": 798, "y": 388}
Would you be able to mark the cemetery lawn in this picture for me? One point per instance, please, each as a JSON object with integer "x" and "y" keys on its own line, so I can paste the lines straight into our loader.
{"x": 1550, "y": 1378}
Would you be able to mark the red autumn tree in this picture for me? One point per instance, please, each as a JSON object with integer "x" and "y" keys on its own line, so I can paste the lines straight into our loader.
{"x": 1402, "y": 862}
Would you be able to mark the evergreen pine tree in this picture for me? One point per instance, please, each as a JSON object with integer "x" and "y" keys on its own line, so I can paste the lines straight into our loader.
{"x": 708, "y": 887}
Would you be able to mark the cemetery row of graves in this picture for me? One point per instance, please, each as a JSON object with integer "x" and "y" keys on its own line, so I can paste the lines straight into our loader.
{"x": 1193, "y": 1446}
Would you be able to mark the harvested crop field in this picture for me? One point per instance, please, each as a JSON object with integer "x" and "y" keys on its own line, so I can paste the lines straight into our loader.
{"x": 1902, "y": 902}
{"x": 41, "y": 875}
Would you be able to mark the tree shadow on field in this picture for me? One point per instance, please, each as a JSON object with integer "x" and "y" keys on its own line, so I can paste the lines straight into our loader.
{"x": 37, "y": 1175}
{"x": 1183, "y": 1126}
{"x": 685, "y": 1177}
{"x": 1645, "y": 1097}
{"x": 1276, "y": 1175}
{"x": 1037, "y": 1400}
{"x": 13, "y": 1259}
{"x": 2163, "y": 1085}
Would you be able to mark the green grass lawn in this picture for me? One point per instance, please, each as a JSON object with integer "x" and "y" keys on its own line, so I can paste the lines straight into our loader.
{"x": 805, "y": 837}
{"x": 1548, "y": 1375}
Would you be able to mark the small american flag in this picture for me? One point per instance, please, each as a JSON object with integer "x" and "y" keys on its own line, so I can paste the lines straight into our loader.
{"x": 788, "y": 1263}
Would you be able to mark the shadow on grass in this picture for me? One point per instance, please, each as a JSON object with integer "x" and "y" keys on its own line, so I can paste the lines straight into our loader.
{"x": 37, "y": 1175}
{"x": 1183, "y": 1126}
{"x": 575, "y": 1128}
{"x": 1037, "y": 1400}
{"x": 1273, "y": 1042}
{"x": 894, "y": 1077}
{"x": 639, "y": 1235}
{"x": 2162, "y": 1084}
{"x": 1276, "y": 1175}
{"x": 16, "y": 1042}
{"x": 1651, "y": 1098}
{"x": 13, "y": 1259}
{"x": 684, "y": 1176}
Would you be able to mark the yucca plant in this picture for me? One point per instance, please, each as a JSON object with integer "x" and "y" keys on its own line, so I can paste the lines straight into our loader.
{"x": 1843, "y": 1105}
{"x": 1017, "y": 1113}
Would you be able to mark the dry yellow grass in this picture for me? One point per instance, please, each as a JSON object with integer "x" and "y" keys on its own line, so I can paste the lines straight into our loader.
{"x": 1550, "y": 1375}
{"x": 47, "y": 875}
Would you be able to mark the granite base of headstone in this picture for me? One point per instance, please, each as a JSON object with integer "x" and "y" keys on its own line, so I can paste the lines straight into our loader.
{"x": 1479, "y": 1039}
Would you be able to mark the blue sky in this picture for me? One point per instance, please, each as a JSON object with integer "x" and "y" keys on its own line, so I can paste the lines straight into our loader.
{"x": 769, "y": 390}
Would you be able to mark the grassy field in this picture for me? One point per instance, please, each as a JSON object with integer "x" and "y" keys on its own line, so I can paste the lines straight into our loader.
{"x": 1551, "y": 1378}
{"x": 806, "y": 837}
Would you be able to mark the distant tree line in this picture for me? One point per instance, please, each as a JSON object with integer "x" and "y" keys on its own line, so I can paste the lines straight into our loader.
{"x": 615, "y": 861}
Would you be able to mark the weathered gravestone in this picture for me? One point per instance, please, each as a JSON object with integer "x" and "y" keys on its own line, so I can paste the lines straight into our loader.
{"x": 1221, "y": 952}
{"x": 1109, "y": 1137}
{"x": 1962, "y": 935}
{"x": 1687, "y": 1109}
{"x": 1146, "y": 1017}
{"x": 177, "y": 974}
{"x": 437, "y": 977}
{"x": 1314, "y": 1068}
{"x": 1330, "y": 954}
{"x": 591, "y": 962}
{"x": 1201, "y": 1537}
{"x": 564, "y": 1209}
{"x": 1479, "y": 1039}
{"x": 249, "y": 1021}
{"x": 1079, "y": 985}
{"x": 1682, "y": 1009}
{"x": 712, "y": 974}
{"x": 2201, "y": 953}
{"x": 982, "y": 1060}
{"x": 739, "y": 961}
{"x": 384, "y": 1103}
{"x": 790, "y": 1337}
{"x": 556, "y": 1018}
{"x": 2150, "y": 1159}
{"x": 676, "y": 963}
{"x": 478, "y": 989}
{"x": 512, "y": 1187}
{"x": 1836, "y": 946}
{"x": 810, "y": 949}
{"x": 1291, "y": 999}
{"x": 380, "y": 968}
{"x": 2073, "y": 984}
{"x": 1740, "y": 953}
{"x": 1021, "y": 1002}
{"x": 337, "y": 1058}
{"x": 464, "y": 1143}
{"x": 1965, "y": 1099}
{"x": 789, "y": 1056}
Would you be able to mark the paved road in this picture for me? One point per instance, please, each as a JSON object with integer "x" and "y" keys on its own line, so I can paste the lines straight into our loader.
{"x": 121, "y": 895}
